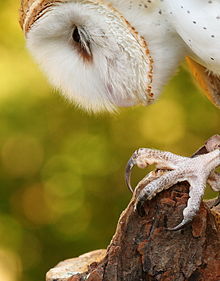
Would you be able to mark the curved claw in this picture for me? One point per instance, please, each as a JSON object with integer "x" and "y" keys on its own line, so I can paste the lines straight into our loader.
{"x": 217, "y": 201}
{"x": 131, "y": 163}
{"x": 180, "y": 226}
{"x": 139, "y": 208}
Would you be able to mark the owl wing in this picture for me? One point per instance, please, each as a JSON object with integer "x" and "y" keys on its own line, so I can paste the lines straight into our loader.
{"x": 209, "y": 82}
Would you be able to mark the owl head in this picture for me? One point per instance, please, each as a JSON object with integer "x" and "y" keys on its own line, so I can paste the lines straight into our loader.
{"x": 89, "y": 51}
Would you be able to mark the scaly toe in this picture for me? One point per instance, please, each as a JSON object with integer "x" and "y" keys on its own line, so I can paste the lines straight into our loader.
{"x": 194, "y": 170}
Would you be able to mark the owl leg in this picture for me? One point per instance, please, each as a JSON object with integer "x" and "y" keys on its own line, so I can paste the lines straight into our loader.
{"x": 144, "y": 157}
{"x": 176, "y": 168}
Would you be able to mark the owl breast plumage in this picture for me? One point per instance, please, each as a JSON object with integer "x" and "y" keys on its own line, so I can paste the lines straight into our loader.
{"x": 105, "y": 54}
{"x": 198, "y": 24}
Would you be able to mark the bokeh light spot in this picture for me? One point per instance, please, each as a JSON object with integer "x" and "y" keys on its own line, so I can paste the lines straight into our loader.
{"x": 22, "y": 156}
{"x": 91, "y": 152}
{"x": 70, "y": 227}
{"x": 64, "y": 193}
{"x": 163, "y": 123}
{"x": 10, "y": 266}
{"x": 34, "y": 205}
{"x": 10, "y": 232}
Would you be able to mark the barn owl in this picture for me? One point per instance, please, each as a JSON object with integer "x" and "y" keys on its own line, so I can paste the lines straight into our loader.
{"x": 104, "y": 54}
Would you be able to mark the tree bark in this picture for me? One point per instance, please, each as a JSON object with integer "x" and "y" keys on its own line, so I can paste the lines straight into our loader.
{"x": 142, "y": 248}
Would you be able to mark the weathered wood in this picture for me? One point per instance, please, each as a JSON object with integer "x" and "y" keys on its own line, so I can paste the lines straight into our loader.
{"x": 75, "y": 267}
{"x": 142, "y": 248}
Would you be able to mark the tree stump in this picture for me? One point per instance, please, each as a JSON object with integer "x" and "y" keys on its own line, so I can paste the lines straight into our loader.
{"x": 142, "y": 248}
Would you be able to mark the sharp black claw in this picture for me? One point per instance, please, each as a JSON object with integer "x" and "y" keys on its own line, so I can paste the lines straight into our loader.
{"x": 128, "y": 170}
{"x": 217, "y": 201}
{"x": 139, "y": 207}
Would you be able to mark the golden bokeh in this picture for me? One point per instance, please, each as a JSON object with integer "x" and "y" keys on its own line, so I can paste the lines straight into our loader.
{"x": 61, "y": 170}
{"x": 163, "y": 123}
{"x": 22, "y": 156}
{"x": 10, "y": 265}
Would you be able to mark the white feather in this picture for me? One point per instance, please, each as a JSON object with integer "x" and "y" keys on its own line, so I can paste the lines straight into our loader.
{"x": 120, "y": 71}
{"x": 198, "y": 23}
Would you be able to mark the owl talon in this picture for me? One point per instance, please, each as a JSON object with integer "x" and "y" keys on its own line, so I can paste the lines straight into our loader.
{"x": 139, "y": 208}
{"x": 197, "y": 171}
{"x": 130, "y": 165}
{"x": 217, "y": 201}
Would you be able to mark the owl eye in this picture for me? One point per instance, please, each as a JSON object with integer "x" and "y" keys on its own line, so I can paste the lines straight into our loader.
{"x": 76, "y": 35}
{"x": 81, "y": 42}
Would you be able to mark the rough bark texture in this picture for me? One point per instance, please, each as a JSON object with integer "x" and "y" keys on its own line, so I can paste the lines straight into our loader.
{"x": 142, "y": 248}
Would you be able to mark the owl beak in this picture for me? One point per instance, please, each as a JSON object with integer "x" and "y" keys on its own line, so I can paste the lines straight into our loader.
{"x": 131, "y": 163}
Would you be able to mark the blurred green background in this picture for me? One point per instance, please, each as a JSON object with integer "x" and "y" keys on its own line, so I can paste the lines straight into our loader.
{"x": 62, "y": 171}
